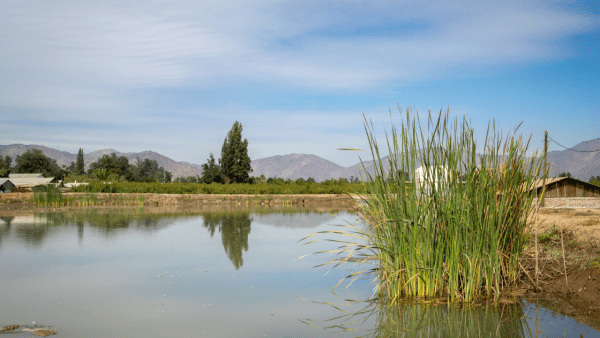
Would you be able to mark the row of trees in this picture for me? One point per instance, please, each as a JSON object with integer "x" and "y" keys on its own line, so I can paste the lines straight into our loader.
{"x": 107, "y": 167}
{"x": 276, "y": 180}
{"x": 113, "y": 167}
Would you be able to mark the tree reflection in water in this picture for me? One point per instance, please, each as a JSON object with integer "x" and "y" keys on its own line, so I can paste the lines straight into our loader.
{"x": 234, "y": 227}
{"x": 33, "y": 229}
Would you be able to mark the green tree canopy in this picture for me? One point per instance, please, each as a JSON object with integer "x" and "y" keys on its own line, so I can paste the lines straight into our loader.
{"x": 79, "y": 165}
{"x": 211, "y": 171}
{"x": 114, "y": 165}
{"x": 5, "y": 164}
{"x": 34, "y": 161}
{"x": 147, "y": 170}
{"x": 235, "y": 162}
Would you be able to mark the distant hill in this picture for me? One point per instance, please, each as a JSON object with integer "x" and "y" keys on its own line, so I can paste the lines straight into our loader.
{"x": 61, "y": 157}
{"x": 293, "y": 166}
{"x": 581, "y": 165}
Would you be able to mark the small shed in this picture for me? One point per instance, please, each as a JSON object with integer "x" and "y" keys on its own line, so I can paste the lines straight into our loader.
{"x": 6, "y": 185}
{"x": 567, "y": 187}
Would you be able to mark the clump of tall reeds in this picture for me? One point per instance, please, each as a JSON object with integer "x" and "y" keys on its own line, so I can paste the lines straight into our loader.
{"x": 48, "y": 196}
{"x": 458, "y": 229}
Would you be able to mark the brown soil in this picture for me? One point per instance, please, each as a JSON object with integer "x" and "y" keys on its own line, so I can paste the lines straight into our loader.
{"x": 43, "y": 332}
{"x": 584, "y": 224}
{"x": 10, "y": 328}
{"x": 577, "y": 295}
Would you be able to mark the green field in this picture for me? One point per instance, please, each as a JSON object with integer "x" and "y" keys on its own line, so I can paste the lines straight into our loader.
{"x": 215, "y": 188}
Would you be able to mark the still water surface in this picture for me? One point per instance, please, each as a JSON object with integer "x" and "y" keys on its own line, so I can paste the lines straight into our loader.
{"x": 126, "y": 273}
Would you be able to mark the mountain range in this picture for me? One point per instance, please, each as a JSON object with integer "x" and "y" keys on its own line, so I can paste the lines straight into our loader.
{"x": 579, "y": 161}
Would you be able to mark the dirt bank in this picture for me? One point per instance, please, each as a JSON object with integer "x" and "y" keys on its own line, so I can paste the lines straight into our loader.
{"x": 569, "y": 285}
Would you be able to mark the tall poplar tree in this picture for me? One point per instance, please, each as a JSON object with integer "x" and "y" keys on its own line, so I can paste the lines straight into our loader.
{"x": 80, "y": 165}
{"x": 235, "y": 162}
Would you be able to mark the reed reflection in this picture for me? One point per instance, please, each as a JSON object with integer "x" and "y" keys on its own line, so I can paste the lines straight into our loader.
{"x": 431, "y": 321}
{"x": 418, "y": 320}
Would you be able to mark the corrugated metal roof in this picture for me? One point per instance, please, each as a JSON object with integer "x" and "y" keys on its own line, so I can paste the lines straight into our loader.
{"x": 30, "y": 181}
{"x": 25, "y": 175}
{"x": 4, "y": 180}
{"x": 540, "y": 183}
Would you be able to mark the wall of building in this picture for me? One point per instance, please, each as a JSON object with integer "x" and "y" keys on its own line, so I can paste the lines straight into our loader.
{"x": 572, "y": 202}
{"x": 570, "y": 189}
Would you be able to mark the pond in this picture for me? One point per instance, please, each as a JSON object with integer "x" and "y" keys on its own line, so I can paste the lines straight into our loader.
{"x": 215, "y": 273}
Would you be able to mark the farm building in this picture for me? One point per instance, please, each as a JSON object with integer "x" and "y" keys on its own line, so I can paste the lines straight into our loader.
{"x": 6, "y": 185}
{"x": 558, "y": 187}
{"x": 25, "y": 176}
{"x": 28, "y": 181}
{"x": 430, "y": 177}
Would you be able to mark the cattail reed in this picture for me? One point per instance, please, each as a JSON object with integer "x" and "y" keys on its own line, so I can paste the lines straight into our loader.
{"x": 458, "y": 228}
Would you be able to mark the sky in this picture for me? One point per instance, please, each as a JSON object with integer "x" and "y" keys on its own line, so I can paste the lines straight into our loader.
{"x": 173, "y": 76}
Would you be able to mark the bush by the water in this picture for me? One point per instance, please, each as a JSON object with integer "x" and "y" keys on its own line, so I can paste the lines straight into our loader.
{"x": 457, "y": 230}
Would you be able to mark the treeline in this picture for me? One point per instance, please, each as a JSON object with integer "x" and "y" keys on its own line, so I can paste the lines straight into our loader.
{"x": 340, "y": 186}
{"x": 107, "y": 168}
{"x": 273, "y": 180}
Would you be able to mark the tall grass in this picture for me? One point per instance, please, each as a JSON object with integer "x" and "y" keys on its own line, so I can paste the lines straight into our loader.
{"x": 48, "y": 196}
{"x": 458, "y": 231}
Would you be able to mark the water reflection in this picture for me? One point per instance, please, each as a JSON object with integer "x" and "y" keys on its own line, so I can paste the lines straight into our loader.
{"x": 233, "y": 224}
{"x": 34, "y": 229}
{"x": 234, "y": 228}
{"x": 418, "y": 320}
{"x": 520, "y": 319}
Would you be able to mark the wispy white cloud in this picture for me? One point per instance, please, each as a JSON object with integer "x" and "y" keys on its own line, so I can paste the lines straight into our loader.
{"x": 101, "y": 62}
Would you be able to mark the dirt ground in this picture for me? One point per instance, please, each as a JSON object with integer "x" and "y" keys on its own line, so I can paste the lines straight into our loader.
{"x": 584, "y": 224}
{"x": 578, "y": 232}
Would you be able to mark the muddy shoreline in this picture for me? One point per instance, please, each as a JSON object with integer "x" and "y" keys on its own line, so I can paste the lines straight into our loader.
{"x": 577, "y": 295}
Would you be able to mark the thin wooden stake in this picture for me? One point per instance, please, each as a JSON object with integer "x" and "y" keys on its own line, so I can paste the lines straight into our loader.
{"x": 562, "y": 243}
{"x": 537, "y": 270}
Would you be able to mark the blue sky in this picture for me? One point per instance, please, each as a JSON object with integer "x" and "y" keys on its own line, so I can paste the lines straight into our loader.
{"x": 173, "y": 77}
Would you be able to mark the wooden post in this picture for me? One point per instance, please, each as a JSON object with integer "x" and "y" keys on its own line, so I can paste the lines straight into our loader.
{"x": 541, "y": 201}
{"x": 542, "y": 204}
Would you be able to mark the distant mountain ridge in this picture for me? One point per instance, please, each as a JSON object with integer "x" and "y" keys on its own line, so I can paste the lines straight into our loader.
{"x": 581, "y": 165}
{"x": 178, "y": 169}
